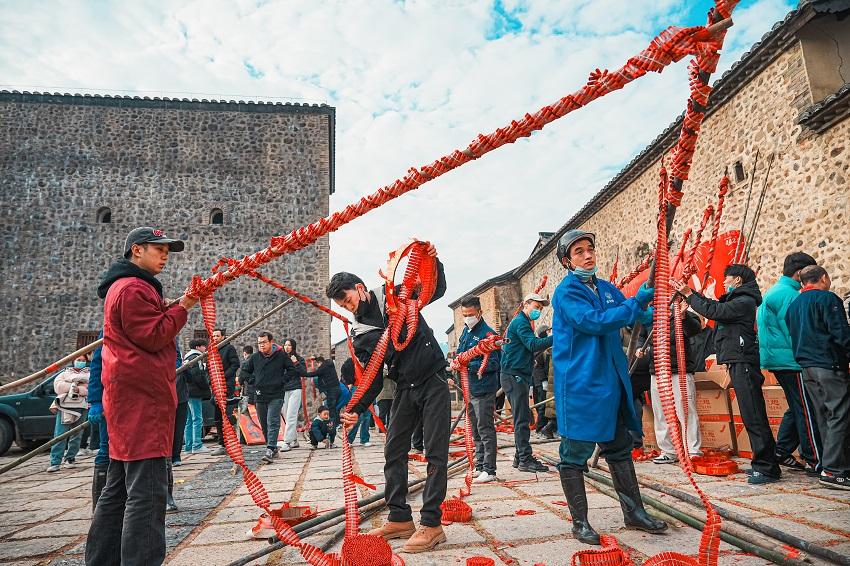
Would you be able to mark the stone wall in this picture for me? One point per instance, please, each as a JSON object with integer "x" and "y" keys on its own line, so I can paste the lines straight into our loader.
{"x": 805, "y": 204}
{"x": 65, "y": 161}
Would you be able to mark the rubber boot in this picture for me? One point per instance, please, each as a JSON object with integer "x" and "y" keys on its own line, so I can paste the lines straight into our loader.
{"x": 170, "y": 506}
{"x": 572, "y": 482}
{"x": 98, "y": 482}
{"x": 626, "y": 486}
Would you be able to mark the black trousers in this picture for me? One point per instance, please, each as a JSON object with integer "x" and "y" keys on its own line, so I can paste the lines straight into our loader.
{"x": 385, "y": 411}
{"x": 747, "y": 381}
{"x": 179, "y": 428}
{"x": 128, "y": 525}
{"x": 433, "y": 402}
{"x": 219, "y": 423}
{"x": 540, "y": 395}
{"x": 332, "y": 400}
{"x": 417, "y": 440}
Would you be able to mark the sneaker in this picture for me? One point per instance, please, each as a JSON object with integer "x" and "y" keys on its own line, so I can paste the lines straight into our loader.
{"x": 269, "y": 455}
{"x": 171, "y": 508}
{"x": 202, "y": 450}
{"x": 313, "y": 446}
{"x": 416, "y": 451}
{"x": 176, "y": 464}
{"x": 306, "y": 435}
{"x": 532, "y": 465}
{"x": 790, "y": 462}
{"x": 812, "y": 471}
{"x": 516, "y": 461}
{"x": 477, "y": 472}
{"x": 85, "y": 453}
{"x": 70, "y": 464}
{"x": 759, "y": 478}
{"x": 284, "y": 447}
{"x": 54, "y": 468}
{"x": 220, "y": 451}
{"x": 366, "y": 444}
{"x": 484, "y": 478}
{"x": 665, "y": 459}
{"x": 834, "y": 481}
{"x": 332, "y": 445}
{"x": 293, "y": 444}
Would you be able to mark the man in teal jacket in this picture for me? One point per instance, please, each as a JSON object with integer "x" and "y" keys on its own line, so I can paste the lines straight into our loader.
{"x": 517, "y": 365}
{"x": 593, "y": 392}
{"x": 799, "y": 427}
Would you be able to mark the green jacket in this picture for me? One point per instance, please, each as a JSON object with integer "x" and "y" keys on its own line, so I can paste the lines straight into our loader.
{"x": 518, "y": 355}
{"x": 774, "y": 337}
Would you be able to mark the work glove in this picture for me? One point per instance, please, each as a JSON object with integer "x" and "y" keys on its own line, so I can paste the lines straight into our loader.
{"x": 545, "y": 385}
{"x": 644, "y": 296}
{"x": 645, "y": 317}
{"x": 96, "y": 413}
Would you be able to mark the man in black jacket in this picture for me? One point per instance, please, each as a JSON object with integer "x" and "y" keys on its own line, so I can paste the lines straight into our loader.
{"x": 272, "y": 370}
{"x": 820, "y": 339}
{"x": 230, "y": 364}
{"x": 737, "y": 346}
{"x": 328, "y": 383}
{"x": 419, "y": 371}
{"x": 198, "y": 388}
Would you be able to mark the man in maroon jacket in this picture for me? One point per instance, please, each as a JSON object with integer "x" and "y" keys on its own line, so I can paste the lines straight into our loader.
{"x": 139, "y": 402}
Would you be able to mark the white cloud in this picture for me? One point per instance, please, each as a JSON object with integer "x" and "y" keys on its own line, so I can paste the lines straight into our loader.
{"x": 411, "y": 81}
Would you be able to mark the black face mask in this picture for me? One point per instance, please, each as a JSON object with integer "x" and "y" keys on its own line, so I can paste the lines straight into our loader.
{"x": 362, "y": 306}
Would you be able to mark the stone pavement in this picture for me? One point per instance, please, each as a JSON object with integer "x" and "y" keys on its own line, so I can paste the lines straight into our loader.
{"x": 44, "y": 517}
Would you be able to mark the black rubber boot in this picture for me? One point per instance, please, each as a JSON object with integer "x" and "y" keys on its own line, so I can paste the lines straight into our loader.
{"x": 98, "y": 482}
{"x": 626, "y": 486}
{"x": 170, "y": 506}
{"x": 572, "y": 482}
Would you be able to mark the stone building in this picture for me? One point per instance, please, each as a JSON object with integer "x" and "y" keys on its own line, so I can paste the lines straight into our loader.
{"x": 789, "y": 95}
{"x": 77, "y": 173}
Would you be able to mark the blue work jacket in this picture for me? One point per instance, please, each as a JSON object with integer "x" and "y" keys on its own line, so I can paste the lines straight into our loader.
{"x": 590, "y": 369}
{"x": 488, "y": 382}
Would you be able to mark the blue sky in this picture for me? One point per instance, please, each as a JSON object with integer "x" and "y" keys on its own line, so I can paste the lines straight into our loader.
{"x": 411, "y": 81}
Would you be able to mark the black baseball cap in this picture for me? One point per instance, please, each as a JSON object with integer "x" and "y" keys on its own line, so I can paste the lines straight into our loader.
{"x": 148, "y": 235}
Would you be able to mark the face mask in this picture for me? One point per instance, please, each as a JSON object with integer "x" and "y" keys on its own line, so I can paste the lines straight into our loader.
{"x": 730, "y": 288}
{"x": 534, "y": 315}
{"x": 362, "y": 306}
{"x": 585, "y": 274}
{"x": 470, "y": 321}
{"x": 79, "y": 365}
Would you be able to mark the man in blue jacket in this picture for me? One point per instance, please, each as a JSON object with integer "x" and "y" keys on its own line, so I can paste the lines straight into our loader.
{"x": 481, "y": 404}
{"x": 593, "y": 392}
{"x": 798, "y": 428}
{"x": 820, "y": 337}
{"x": 517, "y": 366}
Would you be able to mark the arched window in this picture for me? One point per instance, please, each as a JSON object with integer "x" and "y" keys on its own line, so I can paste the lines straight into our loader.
{"x": 104, "y": 216}
{"x": 216, "y": 216}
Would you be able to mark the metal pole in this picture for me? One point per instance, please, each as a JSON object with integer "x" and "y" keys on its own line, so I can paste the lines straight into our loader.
{"x": 757, "y": 214}
{"x": 43, "y": 447}
{"x": 747, "y": 207}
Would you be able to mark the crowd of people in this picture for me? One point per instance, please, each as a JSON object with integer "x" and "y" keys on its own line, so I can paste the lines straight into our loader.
{"x": 572, "y": 381}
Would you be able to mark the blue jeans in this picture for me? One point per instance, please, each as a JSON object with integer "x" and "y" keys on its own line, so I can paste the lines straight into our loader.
{"x": 194, "y": 431}
{"x": 102, "y": 457}
{"x": 57, "y": 452}
{"x": 128, "y": 525}
{"x": 799, "y": 426}
{"x": 363, "y": 425}
{"x": 269, "y": 414}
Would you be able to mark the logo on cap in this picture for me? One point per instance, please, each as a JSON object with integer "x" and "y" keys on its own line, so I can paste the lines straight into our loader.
{"x": 158, "y": 233}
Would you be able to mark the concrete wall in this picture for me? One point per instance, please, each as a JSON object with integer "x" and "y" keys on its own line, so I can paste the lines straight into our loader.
{"x": 63, "y": 160}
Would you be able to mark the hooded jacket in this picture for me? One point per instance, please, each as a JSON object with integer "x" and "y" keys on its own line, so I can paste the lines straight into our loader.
{"x": 735, "y": 337}
{"x": 197, "y": 377}
{"x": 774, "y": 337}
{"x": 326, "y": 376}
{"x": 139, "y": 356}
{"x": 419, "y": 361}
{"x": 487, "y": 382}
{"x": 690, "y": 328}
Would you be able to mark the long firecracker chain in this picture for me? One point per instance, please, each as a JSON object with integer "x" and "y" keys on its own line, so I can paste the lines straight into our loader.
{"x": 671, "y": 45}
{"x": 460, "y": 363}
{"x": 690, "y": 267}
{"x": 638, "y": 269}
{"x": 715, "y": 231}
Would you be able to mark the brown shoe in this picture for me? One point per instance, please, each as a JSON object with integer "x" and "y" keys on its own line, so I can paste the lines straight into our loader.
{"x": 426, "y": 538}
{"x": 392, "y": 529}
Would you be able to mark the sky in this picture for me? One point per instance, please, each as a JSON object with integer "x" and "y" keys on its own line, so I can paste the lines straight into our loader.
{"x": 410, "y": 81}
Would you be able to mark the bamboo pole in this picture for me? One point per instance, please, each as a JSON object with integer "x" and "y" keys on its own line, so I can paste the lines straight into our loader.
{"x": 43, "y": 447}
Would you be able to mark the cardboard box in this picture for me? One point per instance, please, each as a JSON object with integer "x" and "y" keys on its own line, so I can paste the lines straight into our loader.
{"x": 717, "y": 435}
{"x": 648, "y": 423}
{"x": 712, "y": 365}
{"x": 742, "y": 439}
{"x": 711, "y": 400}
{"x": 769, "y": 378}
{"x": 719, "y": 377}
{"x": 774, "y": 402}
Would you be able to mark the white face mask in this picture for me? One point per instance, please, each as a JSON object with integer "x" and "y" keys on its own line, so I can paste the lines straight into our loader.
{"x": 470, "y": 321}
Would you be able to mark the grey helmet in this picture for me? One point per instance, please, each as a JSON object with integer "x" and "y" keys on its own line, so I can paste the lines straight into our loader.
{"x": 570, "y": 238}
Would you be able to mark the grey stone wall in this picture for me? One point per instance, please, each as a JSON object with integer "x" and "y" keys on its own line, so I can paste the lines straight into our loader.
{"x": 64, "y": 160}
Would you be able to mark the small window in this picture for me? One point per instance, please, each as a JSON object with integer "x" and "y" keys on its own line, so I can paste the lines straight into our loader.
{"x": 216, "y": 216}
{"x": 104, "y": 216}
{"x": 739, "y": 171}
{"x": 86, "y": 337}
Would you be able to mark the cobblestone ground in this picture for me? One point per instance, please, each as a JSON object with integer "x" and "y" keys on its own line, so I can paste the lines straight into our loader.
{"x": 44, "y": 517}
